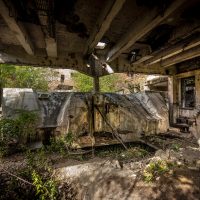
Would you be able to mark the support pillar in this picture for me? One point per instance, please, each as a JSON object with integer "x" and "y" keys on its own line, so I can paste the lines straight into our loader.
{"x": 171, "y": 100}
{"x": 96, "y": 86}
{"x": 1, "y": 88}
{"x": 173, "y": 86}
{"x": 1, "y": 95}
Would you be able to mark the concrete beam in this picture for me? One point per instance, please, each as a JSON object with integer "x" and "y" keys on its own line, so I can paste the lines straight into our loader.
{"x": 17, "y": 56}
{"x": 103, "y": 23}
{"x": 122, "y": 65}
{"x": 17, "y": 28}
{"x": 173, "y": 50}
{"x": 51, "y": 45}
{"x": 143, "y": 25}
{"x": 183, "y": 56}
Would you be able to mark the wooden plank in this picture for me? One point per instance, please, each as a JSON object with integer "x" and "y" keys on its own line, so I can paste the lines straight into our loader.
{"x": 173, "y": 50}
{"x": 103, "y": 23}
{"x": 17, "y": 28}
{"x": 143, "y": 25}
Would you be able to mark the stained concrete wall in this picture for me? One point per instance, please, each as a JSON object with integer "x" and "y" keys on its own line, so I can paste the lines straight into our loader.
{"x": 174, "y": 93}
{"x": 129, "y": 115}
{"x": 16, "y": 99}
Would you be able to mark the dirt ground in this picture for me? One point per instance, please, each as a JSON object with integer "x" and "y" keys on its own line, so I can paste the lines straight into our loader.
{"x": 121, "y": 177}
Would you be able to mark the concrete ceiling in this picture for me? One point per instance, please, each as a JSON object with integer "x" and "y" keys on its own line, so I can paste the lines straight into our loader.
{"x": 141, "y": 36}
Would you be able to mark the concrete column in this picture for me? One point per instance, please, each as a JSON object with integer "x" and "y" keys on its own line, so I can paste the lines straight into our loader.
{"x": 1, "y": 95}
{"x": 173, "y": 98}
{"x": 176, "y": 96}
{"x": 197, "y": 87}
{"x": 1, "y": 88}
{"x": 170, "y": 98}
{"x": 96, "y": 86}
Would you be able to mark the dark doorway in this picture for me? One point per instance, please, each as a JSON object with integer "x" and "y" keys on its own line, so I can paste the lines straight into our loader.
{"x": 188, "y": 92}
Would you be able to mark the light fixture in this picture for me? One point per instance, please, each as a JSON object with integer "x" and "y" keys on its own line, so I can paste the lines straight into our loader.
{"x": 101, "y": 45}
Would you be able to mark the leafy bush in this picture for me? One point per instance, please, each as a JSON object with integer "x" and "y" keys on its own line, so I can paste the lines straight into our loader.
{"x": 156, "y": 168}
{"x": 133, "y": 153}
{"x": 175, "y": 147}
{"x": 8, "y": 129}
{"x": 61, "y": 143}
{"x": 38, "y": 160}
{"x": 40, "y": 171}
{"x": 9, "y": 134}
{"x": 15, "y": 132}
{"x": 57, "y": 145}
{"x": 84, "y": 83}
{"x": 40, "y": 183}
{"x": 45, "y": 189}
{"x": 3, "y": 149}
{"x": 26, "y": 77}
{"x": 69, "y": 138}
{"x": 27, "y": 122}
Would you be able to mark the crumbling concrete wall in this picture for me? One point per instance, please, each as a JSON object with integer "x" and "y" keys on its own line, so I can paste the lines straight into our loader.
{"x": 15, "y": 99}
{"x": 176, "y": 108}
{"x": 129, "y": 115}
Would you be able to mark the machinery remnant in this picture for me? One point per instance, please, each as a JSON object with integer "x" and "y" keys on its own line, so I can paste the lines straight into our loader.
{"x": 107, "y": 118}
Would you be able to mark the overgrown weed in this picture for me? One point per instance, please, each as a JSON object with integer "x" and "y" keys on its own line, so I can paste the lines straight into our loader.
{"x": 156, "y": 168}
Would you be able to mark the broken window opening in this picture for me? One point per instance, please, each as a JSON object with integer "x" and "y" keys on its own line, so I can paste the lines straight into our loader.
{"x": 188, "y": 92}
{"x": 62, "y": 78}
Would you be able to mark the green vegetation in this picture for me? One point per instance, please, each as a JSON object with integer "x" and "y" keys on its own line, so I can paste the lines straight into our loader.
{"x": 109, "y": 83}
{"x": 25, "y": 77}
{"x": 8, "y": 134}
{"x": 61, "y": 144}
{"x": 27, "y": 122}
{"x": 118, "y": 152}
{"x": 84, "y": 83}
{"x": 176, "y": 146}
{"x": 57, "y": 145}
{"x": 16, "y": 132}
{"x": 44, "y": 189}
{"x": 40, "y": 171}
{"x": 156, "y": 168}
{"x": 133, "y": 153}
{"x": 35, "y": 181}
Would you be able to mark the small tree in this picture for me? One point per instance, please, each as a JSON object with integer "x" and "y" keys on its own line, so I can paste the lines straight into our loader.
{"x": 84, "y": 83}
{"x": 109, "y": 83}
{"x": 25, "y": 77}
